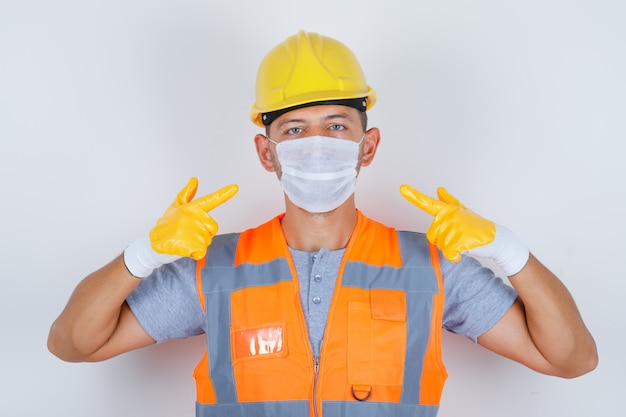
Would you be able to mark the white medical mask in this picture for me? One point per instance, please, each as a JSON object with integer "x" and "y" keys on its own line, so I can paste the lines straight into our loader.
{"x": 318, "y": 172}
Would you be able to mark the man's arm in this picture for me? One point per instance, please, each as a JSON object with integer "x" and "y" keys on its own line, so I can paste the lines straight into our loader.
{"x": 97, "y": 324}
{"x": 543, "y": 329}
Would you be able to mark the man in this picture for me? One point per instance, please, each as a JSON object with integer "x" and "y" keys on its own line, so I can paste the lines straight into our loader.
{"x": 321, "y": 310}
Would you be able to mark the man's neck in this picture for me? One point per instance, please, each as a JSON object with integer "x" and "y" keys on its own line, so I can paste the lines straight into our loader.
{"x": 310, "y": 232}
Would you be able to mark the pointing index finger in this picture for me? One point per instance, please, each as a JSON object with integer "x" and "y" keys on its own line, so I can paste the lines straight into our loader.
{"x": 426, "y": 203}
{"x": 210, "y": 201}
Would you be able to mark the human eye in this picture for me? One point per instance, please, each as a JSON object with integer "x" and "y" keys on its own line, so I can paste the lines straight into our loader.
{"x": 337, "y": 127}
{"x": 294, "y": 131}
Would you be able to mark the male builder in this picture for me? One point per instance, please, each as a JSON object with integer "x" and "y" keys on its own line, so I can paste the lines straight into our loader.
{"x": 321, "y": 310}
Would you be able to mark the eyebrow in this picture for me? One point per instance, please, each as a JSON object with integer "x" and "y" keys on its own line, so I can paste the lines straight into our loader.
{"x": 287, "y": 121}
{"x": 343, "y": 116}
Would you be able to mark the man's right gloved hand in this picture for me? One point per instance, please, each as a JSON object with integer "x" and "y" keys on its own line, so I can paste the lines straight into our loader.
{"x": 185, "y": 229}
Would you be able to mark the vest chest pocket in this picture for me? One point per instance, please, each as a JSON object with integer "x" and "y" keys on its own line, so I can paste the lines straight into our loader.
{"x": 260, "y": 342}
{"x": 377, "y": 339}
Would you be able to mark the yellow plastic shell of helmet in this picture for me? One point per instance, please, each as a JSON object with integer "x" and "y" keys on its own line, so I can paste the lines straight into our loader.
{"x": 308, "y": 68}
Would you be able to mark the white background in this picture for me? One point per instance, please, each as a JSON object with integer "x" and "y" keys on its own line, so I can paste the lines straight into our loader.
{"x": 108, "y": 107}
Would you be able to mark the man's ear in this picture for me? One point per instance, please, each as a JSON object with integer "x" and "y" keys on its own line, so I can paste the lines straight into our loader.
{"x": 263, "y": 151}
{"x": 370, "y": 144}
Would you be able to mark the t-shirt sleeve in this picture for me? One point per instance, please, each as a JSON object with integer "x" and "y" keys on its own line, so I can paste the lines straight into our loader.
{"x": 475, "y": 299}
{"x": 166, "y": 302}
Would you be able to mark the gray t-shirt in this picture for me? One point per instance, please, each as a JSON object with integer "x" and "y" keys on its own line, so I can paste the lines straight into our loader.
{"x": 167, "y": 306}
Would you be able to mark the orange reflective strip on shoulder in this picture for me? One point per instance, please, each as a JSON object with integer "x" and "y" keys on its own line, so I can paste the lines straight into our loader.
{"x": 199, "y": 265}
{"x": 274, "y": 243}
{"x": 369, "y": 234}
{"x": 434, "y": 373}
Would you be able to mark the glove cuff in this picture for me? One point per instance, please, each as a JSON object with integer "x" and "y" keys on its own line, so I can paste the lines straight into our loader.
{"x": 140, "y": 259}
{"x": 512, "y": 255}
{"x": 506, "y": 250}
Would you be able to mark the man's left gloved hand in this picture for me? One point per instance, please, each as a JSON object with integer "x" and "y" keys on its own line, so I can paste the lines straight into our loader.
{"x": 456, "y": 231}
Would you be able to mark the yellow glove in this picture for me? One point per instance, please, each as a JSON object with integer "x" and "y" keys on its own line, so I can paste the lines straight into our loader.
{"x": 185, "y": 229}
{"x": 456, "y": 230}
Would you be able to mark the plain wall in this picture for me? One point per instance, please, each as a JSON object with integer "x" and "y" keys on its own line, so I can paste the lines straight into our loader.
{"x": 108, "y": 107}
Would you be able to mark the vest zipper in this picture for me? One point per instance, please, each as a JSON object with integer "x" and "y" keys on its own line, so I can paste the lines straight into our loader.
{"x": 316, "y": 367}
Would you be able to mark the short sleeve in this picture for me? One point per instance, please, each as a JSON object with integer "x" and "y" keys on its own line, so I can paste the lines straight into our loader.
{"x": 475, "y": 299}
{"x": 166, "y": 302}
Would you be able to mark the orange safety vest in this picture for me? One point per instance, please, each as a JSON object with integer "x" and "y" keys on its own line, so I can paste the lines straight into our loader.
{"x": 381, "y": 353}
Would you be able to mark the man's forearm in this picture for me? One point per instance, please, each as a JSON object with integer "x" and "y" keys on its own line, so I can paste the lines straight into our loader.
{"x": 92, "y": 313}
{"x": 553, "y": 320}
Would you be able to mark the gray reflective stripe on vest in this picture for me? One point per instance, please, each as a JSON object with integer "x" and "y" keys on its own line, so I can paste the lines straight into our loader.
{"x": 416, "y": 277}
{"x": 301, "y": 408}
{"x": 268, "y": 408}
{"x": 368, "y": 409}
{"x": 415, "y": 252}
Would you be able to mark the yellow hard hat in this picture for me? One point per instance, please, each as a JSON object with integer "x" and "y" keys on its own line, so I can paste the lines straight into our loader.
{"x": 307, "y": 69}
